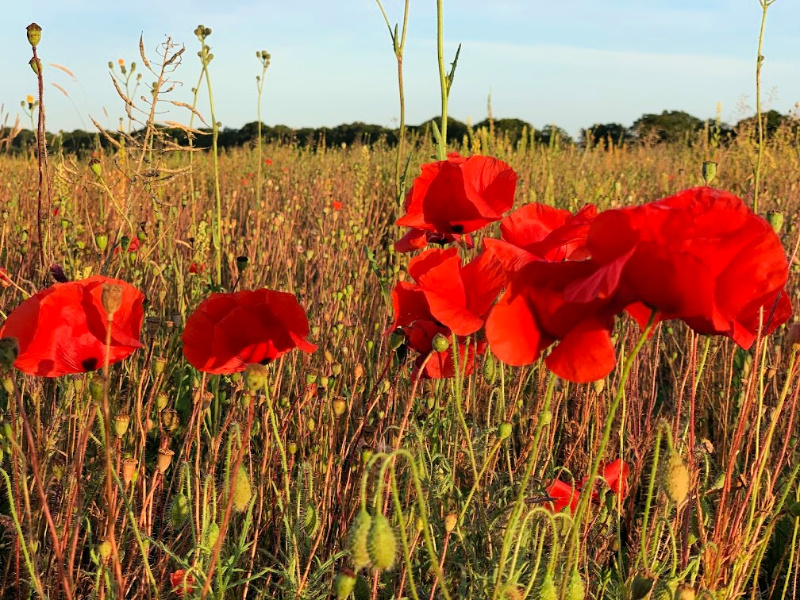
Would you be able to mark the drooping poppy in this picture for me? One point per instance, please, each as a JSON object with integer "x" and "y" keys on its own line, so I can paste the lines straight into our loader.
{"x": 539, "y": 232}
{"x": 229, "y": 331}
{"x": 454, "y": 295}
{"x": 701, "y": 256}
{"x": 459, "y": 195}
{"x": 62, "y": 329}
{"x": 534, "y": 313}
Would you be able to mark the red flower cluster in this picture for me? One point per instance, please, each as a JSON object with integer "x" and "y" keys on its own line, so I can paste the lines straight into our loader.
{"x": 615, "y": 474}
{"x": 229, "y": 331}
{"x": 701, "y": 256}
{"x": 448, "y": 298}
{"x": 63, "y": 328}
{"x": 454, "y": 197}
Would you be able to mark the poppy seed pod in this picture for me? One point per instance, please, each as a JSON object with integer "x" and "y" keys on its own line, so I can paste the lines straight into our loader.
{"x": 129, "y": 468}
{"x": 112, "y": 299}
{"x": 255, "y": 377}
{"x": 164, "y": 459}
{"x": 34, "y": 32}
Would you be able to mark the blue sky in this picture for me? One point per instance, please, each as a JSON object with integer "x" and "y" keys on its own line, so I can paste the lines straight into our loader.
{"x": 570, "y": 62}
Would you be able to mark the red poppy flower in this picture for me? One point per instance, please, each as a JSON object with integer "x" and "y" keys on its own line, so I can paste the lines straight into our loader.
{"x": 229, "y": 331}
{"x": 337, "y": 205}
{"x": 701, "y": 256}
{"x": 268, "y": 162}
{"x": 539, "y": 232}
{"x": 181, "y": 582}
{"x": 197, "y": 268}
{"x": 563, "y": 495}
{"x": 440, "y": 365}
{"x": 451, "y": 294}
{"x": 615, "y": 474}
{"x": 459, "y": 195}
{"x": 534, "y": 313}
{"x": 62, "y": 329}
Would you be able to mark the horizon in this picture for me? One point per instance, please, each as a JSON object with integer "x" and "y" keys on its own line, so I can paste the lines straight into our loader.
{"x": 624, "y": 61}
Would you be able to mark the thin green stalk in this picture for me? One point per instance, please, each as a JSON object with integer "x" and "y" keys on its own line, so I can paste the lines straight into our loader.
{"x": 441, "y": 150}
{"x": 21, "y": 537}
{"x": 765, "y": 4}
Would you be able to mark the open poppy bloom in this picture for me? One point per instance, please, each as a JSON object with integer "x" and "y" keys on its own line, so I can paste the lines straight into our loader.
{"x": 534, "y": 313}
{"x": 456, "y": 296}
{"x": 62, "y": 329}
{"x": 229, "y": 331}
{"x": 615, "y": 474}
{"x": 701, "y": 256}
{"x": 181, "y": 582}
{"x": 540, "y": 232}
{"x": 563, "y": 495}
{"x": 459, "y": 195}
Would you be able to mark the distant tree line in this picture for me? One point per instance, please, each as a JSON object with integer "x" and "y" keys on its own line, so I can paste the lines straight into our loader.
{"x": 667, "y": 127}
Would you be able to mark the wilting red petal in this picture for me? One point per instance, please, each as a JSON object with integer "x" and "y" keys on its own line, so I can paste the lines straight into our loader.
{"x": 62, "y": 329}
{"x": 229, "y": 331}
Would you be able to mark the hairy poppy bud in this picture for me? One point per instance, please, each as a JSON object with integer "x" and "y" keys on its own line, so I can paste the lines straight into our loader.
{"x": 343, "y": 584}
{"x": 382, "y": 543}
{"x": 450, "y": 521}
{"x": 640, "y": 587}
{"x": 664, "y": 589}
{"x": 548, "y": 589}
{"x": 489, "y": 369}
{"x": 576, "y": 590}
{"x": 34, "y": 34}
{"x": 504, "y": 431}
{"x": 357, "y": 539}
{"x": 676, "y": 479}
{"x": 242, "y": 492}
{"x": 179, "y": 511}
{"x": 104, "y": 550}
{"x": 685, "y": 592}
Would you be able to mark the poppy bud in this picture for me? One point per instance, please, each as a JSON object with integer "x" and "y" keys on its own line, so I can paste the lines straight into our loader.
{"x": 640, "y": 587}
{"x": 255, "y": 377}
{"x": 548, "y": 589}
{"x": 676, "y": 479}
{"x": 396, "y": 339}
{"x": 164, "y": 459}
{"x": 343, "y": 584}
{"x": 34, "y": 34}
{"x": 357, "y": 539}
{"x": 9, "y": 351}
{"x": 101, "y": 239}
{"x": 685, "y": 592}
{"x": 504, "y": 431}
{"x": 382, "y": 543}
{"x": 121, "y": 423}
{"x": 576, "y": 589}
{"x": 179, "y": 511}
{"x": 664, "y": 589}
{"x": 170, "y": 419}
{"x": 775, "y": 220}
{"x": 8, "y": 385}
{"x": 111, "y": 298}
{"x": 96, "y": 388}
{"x": 36, "y": 65}
{"x": 440, "y": 343}
{"x": 242, "y": 492}
{"x": 489, "y": 369}
{"x": 212, "y": 535}
{"x": 96, "y": 167}
{"x": 709, "y": 171}
{"x": 129, "y": 468}
{"x": 104, "y": 550}
{"x": 450, "y": 521}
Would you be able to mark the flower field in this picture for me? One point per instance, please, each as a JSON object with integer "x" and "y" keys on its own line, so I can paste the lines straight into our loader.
{"x": 518, "y": 371}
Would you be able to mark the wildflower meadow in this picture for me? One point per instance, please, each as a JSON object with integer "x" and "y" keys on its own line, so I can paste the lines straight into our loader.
{"x": 414, "y": 367}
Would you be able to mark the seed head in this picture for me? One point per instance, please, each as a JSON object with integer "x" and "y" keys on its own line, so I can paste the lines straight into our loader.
{"x": 34, "y": 34}
{"x": 255, "y": 377}
{"x": 121, "y": 423}
{"x": 164, "y": 459}
{"x": 129, "y": 468}
{"x": 112, "y": 299}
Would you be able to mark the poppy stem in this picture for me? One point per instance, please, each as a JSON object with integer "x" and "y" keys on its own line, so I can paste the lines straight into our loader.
{"x": 441, "y": 150}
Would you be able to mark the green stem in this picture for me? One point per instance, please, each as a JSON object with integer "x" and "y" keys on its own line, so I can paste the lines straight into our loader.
{"x": 441, "y": 150}
{"x": 217, "y": 195}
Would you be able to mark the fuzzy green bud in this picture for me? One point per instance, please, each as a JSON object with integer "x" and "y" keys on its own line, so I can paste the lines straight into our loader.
{"x": 357, "y": 540}
{"x": 664, "y": 589}
{"x": 676, "y": 479}
{"x": 96, "y": 388}
{"x": 101, "y": 239}
{"x": 489, "y": 369}
{"x": 504, "y": 431}
{"x": 576, "y": 589}
{"x": 242, "y": 492}
{"x": 343, "y": 584}
{"x": 180, "y": 511}
{"x": 382, "y": 543}
{"x": 547, "y": 589}
{"x": 212, "y": 535}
